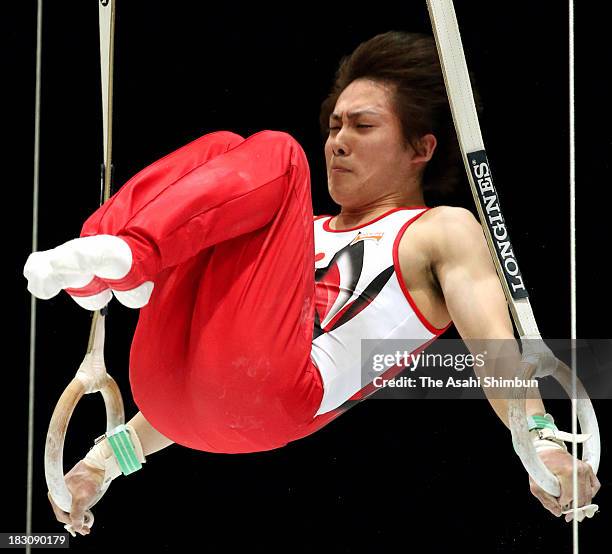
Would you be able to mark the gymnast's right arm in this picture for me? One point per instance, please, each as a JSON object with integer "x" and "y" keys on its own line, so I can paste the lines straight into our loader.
{"x": 96, "y": 471}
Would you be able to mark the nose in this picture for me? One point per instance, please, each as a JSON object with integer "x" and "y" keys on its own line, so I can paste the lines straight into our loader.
{"x": 339, "y": 145}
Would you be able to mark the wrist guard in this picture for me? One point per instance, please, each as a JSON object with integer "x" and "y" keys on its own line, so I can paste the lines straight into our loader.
{"x": 546, "y": 436}
{"x": 116, "y": 452}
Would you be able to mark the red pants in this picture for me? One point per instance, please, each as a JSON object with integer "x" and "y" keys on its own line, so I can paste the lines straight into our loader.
{"x": 220, "y": 359}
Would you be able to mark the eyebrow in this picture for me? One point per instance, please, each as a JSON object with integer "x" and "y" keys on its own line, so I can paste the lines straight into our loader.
{"x": 351, "y": 115}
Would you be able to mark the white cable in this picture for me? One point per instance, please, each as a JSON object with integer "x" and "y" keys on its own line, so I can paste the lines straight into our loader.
{"x": 572, "y": 176}
{"x": 33, "y": 299}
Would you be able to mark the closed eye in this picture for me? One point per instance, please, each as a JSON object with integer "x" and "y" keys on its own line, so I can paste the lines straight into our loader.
{"x": 362, "y": 126}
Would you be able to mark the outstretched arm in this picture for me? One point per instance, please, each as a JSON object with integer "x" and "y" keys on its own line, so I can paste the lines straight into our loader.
{"x": 476, "y": 303}
{"x": 474, "y": 297}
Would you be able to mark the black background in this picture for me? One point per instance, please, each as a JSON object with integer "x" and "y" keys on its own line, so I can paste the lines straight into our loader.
{"x": 388, "y": 475}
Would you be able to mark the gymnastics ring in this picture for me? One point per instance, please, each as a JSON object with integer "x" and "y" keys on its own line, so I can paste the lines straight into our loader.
{"x": 591, "y": 447}
{"x": 91, "y": 377}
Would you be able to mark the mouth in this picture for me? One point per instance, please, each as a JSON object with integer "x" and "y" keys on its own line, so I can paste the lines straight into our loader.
{"x": 339, "y": 170}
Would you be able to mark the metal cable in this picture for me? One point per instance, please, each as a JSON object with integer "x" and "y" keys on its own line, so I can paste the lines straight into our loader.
{"x": 31, "y": 388}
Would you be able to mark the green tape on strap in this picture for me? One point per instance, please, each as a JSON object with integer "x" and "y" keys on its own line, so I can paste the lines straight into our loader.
{"x": 541, "y": 422}
{"x": 119, "y": 440}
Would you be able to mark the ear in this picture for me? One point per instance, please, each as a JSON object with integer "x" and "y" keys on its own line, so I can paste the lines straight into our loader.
{"x": 426, "y": 146}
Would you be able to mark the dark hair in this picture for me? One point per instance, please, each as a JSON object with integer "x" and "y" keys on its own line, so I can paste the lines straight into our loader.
{"x": 410, "y": 62}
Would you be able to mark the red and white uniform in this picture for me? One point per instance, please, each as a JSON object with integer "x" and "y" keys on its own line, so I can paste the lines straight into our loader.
{"x": 361, "y": 295}
{"x": 221, "y": 356}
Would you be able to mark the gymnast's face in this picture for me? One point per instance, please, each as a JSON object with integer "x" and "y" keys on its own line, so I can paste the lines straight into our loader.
{"x": 380, "y": 169}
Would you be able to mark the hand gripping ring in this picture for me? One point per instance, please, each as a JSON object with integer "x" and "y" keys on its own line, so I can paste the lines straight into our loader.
{"x": 591, "y": 448}
{"x": 91, "y": 377}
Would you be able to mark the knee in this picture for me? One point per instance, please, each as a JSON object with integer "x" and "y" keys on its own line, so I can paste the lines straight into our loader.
{"x": 277, "y": 137}
{"x": 227, "y": 138}
{"x": 285, "y": 141}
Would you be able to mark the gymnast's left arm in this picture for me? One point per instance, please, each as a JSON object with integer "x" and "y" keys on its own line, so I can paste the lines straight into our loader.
{"x": 461, "y": 261}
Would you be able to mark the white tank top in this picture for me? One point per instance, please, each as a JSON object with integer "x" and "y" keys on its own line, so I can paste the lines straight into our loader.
{"x": 360, "y": 294}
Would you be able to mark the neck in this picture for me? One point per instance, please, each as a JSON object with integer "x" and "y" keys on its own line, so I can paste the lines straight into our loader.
{"x": 356, "y": 215}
